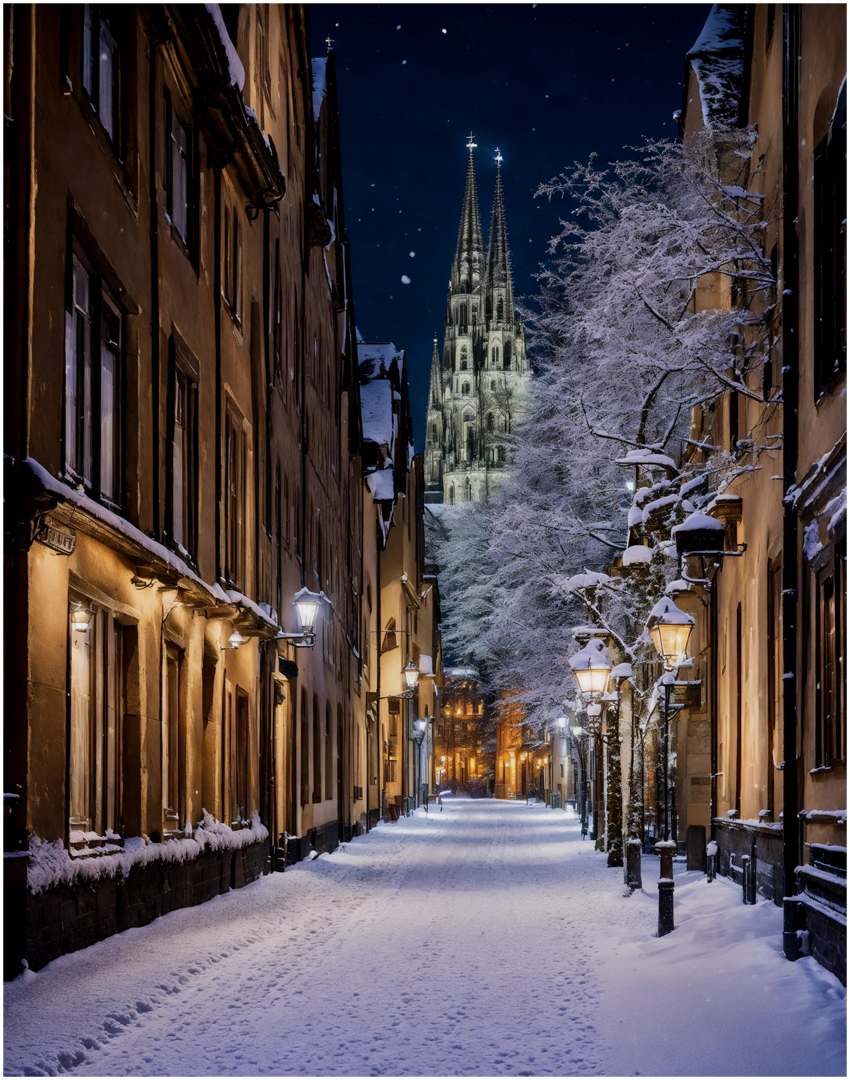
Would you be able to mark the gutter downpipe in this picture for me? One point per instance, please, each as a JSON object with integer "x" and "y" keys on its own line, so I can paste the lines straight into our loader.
{"x": 791, "y": 17}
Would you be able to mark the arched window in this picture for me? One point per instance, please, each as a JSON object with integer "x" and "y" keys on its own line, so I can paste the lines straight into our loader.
{"x": 495, "y": 356}
{"x": 390, "y": 639}
{"x": 500, "y": 310}
{"x": 469, "y": 709}
{"x": 507, "y": 355}
{"x": 470, "y": 443}
{"x": 463, "y": 363}
{"x": 465, "y": 388}
{"x": 501, "y": 455}
{"x": 468, "y": 492}
{"x": 461, "y": 314}
{"x": 434, "y": 432}
{"x": 489, "y": 421}
{"x": 451, "y": 495}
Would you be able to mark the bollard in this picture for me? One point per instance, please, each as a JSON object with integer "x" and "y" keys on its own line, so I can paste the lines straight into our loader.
{"x": 664, "y": 849}
{"x": 665, "y": 906}
{"x": 749, "y": 879}
{"x": 711, "y": 860}
{"x": 633, "y": 878}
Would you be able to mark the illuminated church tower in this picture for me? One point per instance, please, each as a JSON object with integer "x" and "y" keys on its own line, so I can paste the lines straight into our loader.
{"x": 478, "y": 382}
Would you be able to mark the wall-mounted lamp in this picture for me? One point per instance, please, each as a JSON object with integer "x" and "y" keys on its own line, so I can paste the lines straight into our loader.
{"x": 80, "y": 616}
{"x": 307, "y": 605}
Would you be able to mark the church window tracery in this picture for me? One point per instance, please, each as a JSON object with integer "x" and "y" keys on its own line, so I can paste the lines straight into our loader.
{"x": 495, "y": 356}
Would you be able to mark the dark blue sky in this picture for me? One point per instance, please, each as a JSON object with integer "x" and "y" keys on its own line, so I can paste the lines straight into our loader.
{"x": 548, "y": 84}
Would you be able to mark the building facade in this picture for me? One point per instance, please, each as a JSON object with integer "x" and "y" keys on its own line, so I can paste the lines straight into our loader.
{"x": 184, "y": 454}
{"x": 478, "y": 381}
{"x": 770, "y": 626}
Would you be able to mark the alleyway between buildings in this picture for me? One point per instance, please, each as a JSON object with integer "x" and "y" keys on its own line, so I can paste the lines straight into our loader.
{"x": 484, "y": 940}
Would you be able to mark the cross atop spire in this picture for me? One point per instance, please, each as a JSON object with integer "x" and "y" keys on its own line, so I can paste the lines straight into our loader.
{"x": 469, "y": 256}
{"x": 329, "y": 41}
{"x": 499, "y": 158}
{"x": 498, "y": 269}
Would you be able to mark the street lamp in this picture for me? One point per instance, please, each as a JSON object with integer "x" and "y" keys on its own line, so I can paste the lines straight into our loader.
{"x": 307, "y": 605}
{"x": 411, "y": 675}
{"x": 591, "y": 668}
{"x": 669, "y": 628}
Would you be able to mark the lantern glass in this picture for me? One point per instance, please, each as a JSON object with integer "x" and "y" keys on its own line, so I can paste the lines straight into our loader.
{"x": 411, "y": 675}
{"x": 235, "y": 640}
{"x": 671, "y": 640}
{"x": 592, "y": 680}
{"x": 307, "y": 605}
{"x": 80, "y": 617}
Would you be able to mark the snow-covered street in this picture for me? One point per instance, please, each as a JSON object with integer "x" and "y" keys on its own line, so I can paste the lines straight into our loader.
{"x": 484, "y": 940}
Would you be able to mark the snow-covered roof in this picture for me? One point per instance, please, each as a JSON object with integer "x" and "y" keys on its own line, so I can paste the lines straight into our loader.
{"x": 320, "y": 74}
{"x": 381, "y": 484}
{"x": 717, "y": 60}
{"x": 234, "y": 64}
{"x": 460, "y": 673}
{"x": 377, "y": 357}
{"x": 376, "y": 410}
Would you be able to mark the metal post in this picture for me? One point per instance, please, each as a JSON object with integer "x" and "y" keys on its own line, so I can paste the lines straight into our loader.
{"x": 665, "y": 850}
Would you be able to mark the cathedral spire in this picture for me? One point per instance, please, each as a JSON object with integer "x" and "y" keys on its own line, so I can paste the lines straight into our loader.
{"x": 498, "y": 256}
{"x": 469, "y": 257}
{"x": 435, "y": 397}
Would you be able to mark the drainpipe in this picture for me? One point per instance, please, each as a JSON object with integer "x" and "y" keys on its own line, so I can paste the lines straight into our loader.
{"x": 153, "y": 134}
{"x": 791, "y": 18}
{"x": 219, "y": 457}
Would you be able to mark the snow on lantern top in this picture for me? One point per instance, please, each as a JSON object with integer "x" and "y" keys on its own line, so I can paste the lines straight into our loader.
{"x": 591, "y": 668}
{"x": 699, "y": 534}
{"x": 669, "y": 627}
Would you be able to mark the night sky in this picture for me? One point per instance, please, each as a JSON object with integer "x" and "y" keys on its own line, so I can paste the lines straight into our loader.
{"x": 548, "y": 84}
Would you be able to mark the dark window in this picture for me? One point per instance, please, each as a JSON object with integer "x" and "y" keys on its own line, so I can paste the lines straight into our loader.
{"x": 329, "y": 754}
{"x": 184, "y": 461}
{"x": 93, "y": 377}
{"x": 465, "y": 388}
{"x": 507, "y": 355}
{"x": 102, "y": 68}
{"x": 241, "y": 756}
{"x": 317, "y": 751}
{"x": 181, "y": 201}
{"x": 390, "y": 638}
{"x": 233, "y": 263}
{"x": 830, "y": 722}
{"x": 489, "y": 421}
{"x": 304, "y": 746}
{"x": 830, "y": 241}
{"x": 234, "y": 500}
{"x": 173, "y": 742}
{"x": 495, "y": 356}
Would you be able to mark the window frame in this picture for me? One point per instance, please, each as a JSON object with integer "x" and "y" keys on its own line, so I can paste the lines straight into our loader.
{"x": 183, "y": 374}
{"x": 188, "y": 236}
{"x": 83, "y": 452}
{"x": 99, "y": 740}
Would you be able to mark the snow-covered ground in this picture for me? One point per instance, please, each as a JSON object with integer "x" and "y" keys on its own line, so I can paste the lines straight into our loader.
{"x": 484, "y": 940}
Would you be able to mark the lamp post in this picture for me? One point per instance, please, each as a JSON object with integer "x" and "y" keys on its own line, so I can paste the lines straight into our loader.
{"x": 669, "y": 629}
{"x": 561, "y": 725}
{"x": 578, "y": 734}
{"x": 418, "y": 734}
{"x": 592, "y": 668}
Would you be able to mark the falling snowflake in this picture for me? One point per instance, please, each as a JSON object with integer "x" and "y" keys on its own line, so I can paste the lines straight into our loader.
{"x": 413, "y": 254}
{"x": 405, "y": 280}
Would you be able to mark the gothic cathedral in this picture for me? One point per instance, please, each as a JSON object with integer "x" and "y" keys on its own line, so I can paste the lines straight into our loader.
{"x": 478, "y": 384}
